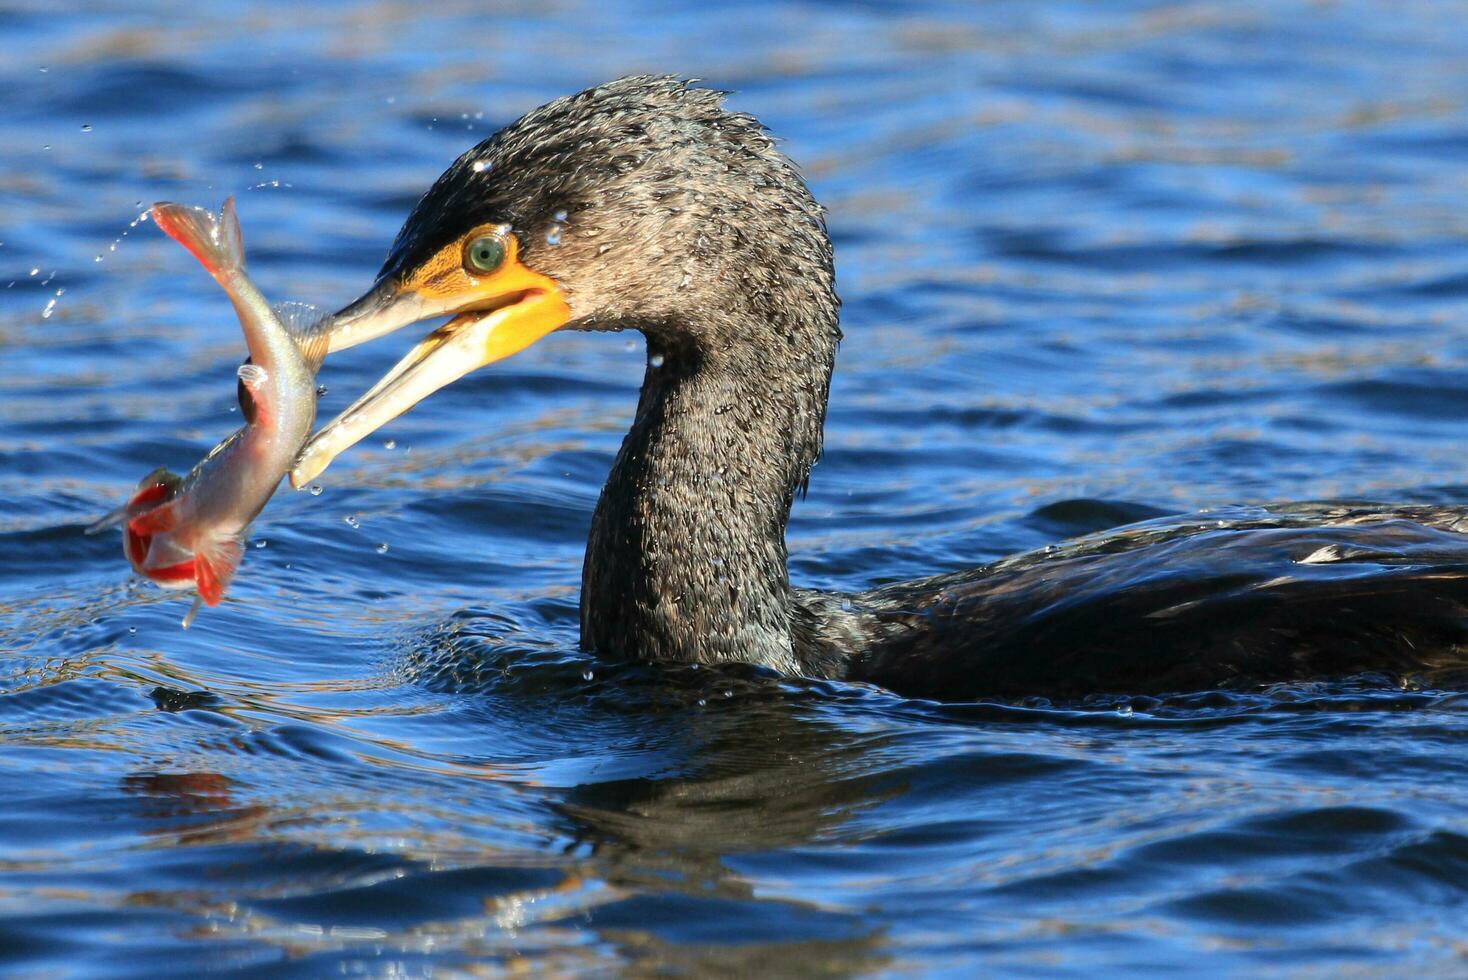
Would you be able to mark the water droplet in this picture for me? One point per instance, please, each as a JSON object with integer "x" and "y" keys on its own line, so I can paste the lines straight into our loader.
{"x": 630, "y": 346}
{"x": 86, "y": 127}
{"x": 382, "y": 548}
{"x": 703, "y": 703}
{"x": 43, "y": 69}
{"x": 480, "y": 166}
{"x": 261, "y": 542}
{"x": 34, "y": 271}
{"x": 315, "y": 489}
{"x": 259, "y": 165}
{"x": 587, "y": 675}
{"x": 553, "y": 237}
{"x": 352, "y": 521}
{"x": 656, "y": 360}
{"x": 320, "y": 390}
{"x": 390, "y": 444}
{"x": 132, "y": 630}
{"x": 45, "y": 146}
{"x": 559, "y": 216}
{"x": 728, "y": 694}
{"x": 50, "y": 308}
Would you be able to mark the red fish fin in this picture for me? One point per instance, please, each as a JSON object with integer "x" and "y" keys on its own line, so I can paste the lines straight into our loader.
{"x": 155, "y": 520}
{"x": 158, "y": 485}
{"x": 154, "y": 488}
{"x": 170, "y": 574}
{"x": 214, "y": 241}
{"x": 136, "y": 546}
{"x": 214, "y": 567}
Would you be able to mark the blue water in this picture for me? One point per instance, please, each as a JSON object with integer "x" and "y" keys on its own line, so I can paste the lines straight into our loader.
{"x": 1152, "y": 256}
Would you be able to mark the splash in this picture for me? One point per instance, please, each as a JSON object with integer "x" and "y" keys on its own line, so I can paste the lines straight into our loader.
{"x": 142, "y": 217}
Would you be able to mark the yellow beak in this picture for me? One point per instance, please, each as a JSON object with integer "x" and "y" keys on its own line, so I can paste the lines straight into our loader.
{"x": 497, "y": 315}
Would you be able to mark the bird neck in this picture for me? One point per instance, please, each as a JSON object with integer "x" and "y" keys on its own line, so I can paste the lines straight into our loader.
{"x": 686, "y": 559}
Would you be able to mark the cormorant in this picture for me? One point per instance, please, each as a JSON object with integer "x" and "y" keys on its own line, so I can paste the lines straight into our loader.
{"x": 682, "y": 221}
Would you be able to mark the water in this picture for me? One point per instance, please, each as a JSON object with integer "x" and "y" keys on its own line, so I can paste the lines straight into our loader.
{"x": 1097, "y": 262}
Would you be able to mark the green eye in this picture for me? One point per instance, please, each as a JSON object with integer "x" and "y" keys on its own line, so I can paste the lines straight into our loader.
{"x": 484, "y": 254}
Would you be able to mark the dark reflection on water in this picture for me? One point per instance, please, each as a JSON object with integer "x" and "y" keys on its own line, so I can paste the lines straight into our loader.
{"x": 1099, "y": 264}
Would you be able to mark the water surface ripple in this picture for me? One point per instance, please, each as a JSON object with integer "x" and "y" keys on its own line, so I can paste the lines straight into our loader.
{"x": 1099, "y": 263}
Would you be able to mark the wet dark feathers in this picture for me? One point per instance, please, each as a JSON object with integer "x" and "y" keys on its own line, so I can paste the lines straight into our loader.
{"x": 681, "y": 220}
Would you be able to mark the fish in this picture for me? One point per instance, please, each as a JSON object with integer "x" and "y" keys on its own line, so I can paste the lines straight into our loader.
{"x": 188, "y": 532}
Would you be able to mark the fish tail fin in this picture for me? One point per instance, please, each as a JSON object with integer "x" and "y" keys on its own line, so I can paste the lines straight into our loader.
{"x": 212, "y": 239}
{"x": 214, "y": 567}
{"x": 158, "y": 519}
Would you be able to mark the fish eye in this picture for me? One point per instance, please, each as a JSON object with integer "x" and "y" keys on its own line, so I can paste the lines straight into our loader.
{"x": 484, "y": 253}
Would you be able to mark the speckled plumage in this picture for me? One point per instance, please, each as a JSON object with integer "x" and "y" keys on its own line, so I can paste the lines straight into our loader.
{"x": 680, "y": 219}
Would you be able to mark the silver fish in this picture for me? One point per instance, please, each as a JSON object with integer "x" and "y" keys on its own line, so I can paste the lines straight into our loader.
{"x": 188, "y": 532}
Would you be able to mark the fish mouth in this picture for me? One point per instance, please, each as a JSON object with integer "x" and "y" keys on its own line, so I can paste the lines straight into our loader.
{"x": 497, "y": 316}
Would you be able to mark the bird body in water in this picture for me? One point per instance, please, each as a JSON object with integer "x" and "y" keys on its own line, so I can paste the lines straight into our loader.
{"x": 645, "y": 205}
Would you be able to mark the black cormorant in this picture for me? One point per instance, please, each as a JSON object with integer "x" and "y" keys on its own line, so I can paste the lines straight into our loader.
{"x": 685, "y": 223}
